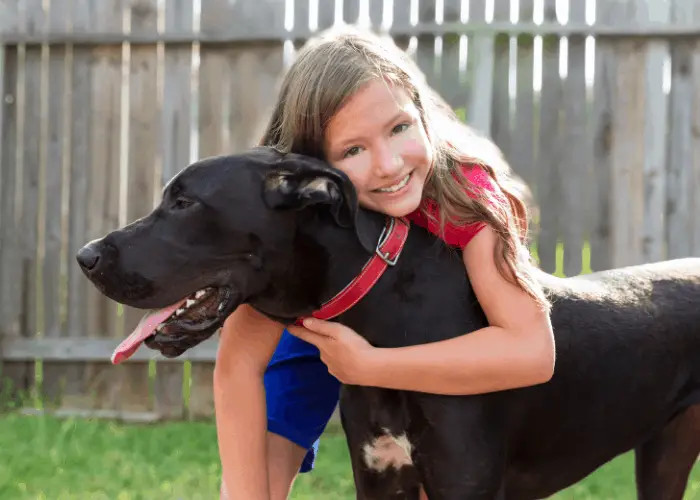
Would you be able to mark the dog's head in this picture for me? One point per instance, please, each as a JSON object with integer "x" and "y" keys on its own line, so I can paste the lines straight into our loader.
{"x": 225, "y": 233}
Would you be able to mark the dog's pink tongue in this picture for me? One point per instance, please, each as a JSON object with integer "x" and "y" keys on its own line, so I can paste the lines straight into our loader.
{"x": 143, "y": 330}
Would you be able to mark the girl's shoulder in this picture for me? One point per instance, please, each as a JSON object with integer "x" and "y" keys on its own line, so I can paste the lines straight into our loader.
{"x": 458, "y": 235}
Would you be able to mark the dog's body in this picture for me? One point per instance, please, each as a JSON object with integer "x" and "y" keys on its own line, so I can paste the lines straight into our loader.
{"x": 268, "y": 229}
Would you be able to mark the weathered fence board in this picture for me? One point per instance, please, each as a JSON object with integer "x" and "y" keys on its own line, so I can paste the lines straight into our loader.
{"x": 576, "y": 153}
{"x": 501, "y": 102}
{"x": 10, "y": 307}
{"x": 27, "y": 191}
{"x": 101, "y": 103}
{"x": 54, "y": 163}
{"x": 481, "y": 62}
{"x": 600, "y": 129}
{"x": 548, "y": 186}
{"x": 523, "y": 141}
{"x": 684, "y": 150}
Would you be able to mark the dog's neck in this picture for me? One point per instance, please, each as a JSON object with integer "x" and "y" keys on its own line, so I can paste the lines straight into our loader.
{"x": 325, "y": 258}
{"x": 345, "y": 255}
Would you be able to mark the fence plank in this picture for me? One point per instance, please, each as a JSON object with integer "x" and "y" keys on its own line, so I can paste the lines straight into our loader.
{"x": 501, "y": 101}
{"x": 31, "y": 19}
{"x": 32, "y": 126}
{"x": 627, "y": 204}
{"x": 9, "y": 16}
{"x": 683, "y": 142}
{"x": 302, "y": 17}
{"x": 12, "y": 374}
{"x": 74, "y": 393}
{"x": 576, "y": 159}
{"x": 376, "y": 14}
{"x": 655, "y": 156}
{"x": 600, "y": 129}
{"x": 523, "y": 142}
{"x": 401, "y": 19}
{"x": 245, "y": 17}
{"x": 54, "y": 192}
{"x": 326, "y": 13}
{"x": 425, "y": 56}
{"x": 448, "y": 69}
{"x": 481, "y": 60}
{"x": 351, "y": 11}
{"x": 176, "y": 131}
{"x": 548, "y": 185}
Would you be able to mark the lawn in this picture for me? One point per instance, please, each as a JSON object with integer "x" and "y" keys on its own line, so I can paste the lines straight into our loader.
{"x": 46, "y": 458}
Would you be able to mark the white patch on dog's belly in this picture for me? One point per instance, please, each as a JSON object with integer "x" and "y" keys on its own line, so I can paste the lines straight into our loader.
{"x": 388, "y": 451}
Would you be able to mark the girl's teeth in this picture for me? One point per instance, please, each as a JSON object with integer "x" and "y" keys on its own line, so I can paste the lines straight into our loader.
{"x": 395, "y": 188}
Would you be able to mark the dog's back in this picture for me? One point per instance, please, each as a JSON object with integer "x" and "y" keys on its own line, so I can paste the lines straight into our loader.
{"x": 628, "y": 360}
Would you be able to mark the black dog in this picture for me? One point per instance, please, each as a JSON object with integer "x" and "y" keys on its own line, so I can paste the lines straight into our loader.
{"x": 284, "y": 234}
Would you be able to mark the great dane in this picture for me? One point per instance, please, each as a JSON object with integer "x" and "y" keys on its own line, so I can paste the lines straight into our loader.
{"x": 284, "y": 233}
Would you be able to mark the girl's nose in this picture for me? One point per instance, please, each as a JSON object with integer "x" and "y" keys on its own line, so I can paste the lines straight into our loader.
{"x": 388, "y": 163}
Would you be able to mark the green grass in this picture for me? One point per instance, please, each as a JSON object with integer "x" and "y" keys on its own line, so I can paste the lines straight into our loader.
{"x": 48, "y": 458}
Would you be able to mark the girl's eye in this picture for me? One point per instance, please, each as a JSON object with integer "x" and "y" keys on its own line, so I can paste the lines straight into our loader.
{"x": 355, "y": 150}
{"x": 400, "y": 128}
{"x": 182, "y": 203}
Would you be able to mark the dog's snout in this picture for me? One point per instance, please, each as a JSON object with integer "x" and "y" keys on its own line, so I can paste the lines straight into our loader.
{"x": 88, "y": 257}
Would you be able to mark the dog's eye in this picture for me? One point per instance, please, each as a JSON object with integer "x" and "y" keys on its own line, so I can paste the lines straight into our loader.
{"x": 182, "y": 203}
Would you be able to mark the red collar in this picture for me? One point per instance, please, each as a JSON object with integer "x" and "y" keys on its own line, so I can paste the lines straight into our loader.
{"x": 387, "y": 252}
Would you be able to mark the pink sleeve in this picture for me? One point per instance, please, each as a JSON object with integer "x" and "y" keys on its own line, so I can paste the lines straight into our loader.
{"x": 458, "y": 236}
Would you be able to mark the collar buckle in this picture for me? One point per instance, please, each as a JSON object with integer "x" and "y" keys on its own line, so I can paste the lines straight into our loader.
{"x": 386, "y": 255}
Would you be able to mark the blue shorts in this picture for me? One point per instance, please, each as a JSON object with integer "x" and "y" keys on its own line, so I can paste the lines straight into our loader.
{"x": 301, "y": 395}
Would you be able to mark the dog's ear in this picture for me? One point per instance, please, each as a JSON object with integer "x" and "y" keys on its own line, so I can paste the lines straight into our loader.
{"x": 301, "y": 181}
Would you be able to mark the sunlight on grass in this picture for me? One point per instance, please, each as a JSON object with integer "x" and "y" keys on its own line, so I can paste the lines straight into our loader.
{"x": 47, "y": 458}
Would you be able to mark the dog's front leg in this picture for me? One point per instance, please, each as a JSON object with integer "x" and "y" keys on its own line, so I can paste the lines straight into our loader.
{"x": 380, "y": 451}
{"x": 461, "y": 453}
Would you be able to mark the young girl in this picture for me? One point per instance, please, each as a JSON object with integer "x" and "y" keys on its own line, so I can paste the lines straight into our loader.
{"x": 360, "y": 103}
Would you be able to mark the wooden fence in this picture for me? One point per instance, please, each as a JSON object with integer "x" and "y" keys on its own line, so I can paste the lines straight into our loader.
{"x": 103, "y": 101}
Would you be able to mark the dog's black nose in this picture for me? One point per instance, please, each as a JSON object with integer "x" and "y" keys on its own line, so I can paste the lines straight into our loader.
{"x": 88, "y": 257}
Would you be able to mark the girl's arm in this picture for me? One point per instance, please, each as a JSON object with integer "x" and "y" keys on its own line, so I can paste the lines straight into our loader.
{"x": 516, "y": 350}
{"x": 247, "y": 343}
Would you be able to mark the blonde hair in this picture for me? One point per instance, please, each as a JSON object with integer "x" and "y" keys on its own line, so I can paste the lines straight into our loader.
{"x": 334, "y": 65}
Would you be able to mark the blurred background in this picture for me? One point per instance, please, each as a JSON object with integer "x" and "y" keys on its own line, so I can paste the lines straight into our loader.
{"x": 595, "y": 103}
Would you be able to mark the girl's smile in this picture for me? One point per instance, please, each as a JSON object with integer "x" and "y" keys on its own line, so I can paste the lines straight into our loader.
{"x": 396, "y": 188}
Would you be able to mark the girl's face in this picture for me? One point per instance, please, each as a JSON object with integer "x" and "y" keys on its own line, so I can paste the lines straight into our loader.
{"x": 377, "y": 138}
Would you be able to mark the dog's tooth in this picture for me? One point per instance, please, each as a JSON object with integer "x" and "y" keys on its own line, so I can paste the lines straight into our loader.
{"x": 179, "y": 311}
{"x": 221, "y": 307}
{"x": 190, "y": 303}
{"x": 199, "y": 294}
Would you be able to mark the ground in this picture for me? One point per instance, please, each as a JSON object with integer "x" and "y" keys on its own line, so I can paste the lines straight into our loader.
{"x": 45, "y": 458}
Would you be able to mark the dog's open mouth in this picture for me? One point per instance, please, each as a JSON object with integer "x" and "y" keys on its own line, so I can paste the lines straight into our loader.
{"x": 199, "y": 311}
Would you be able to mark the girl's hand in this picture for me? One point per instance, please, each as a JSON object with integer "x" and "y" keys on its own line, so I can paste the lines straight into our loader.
{"x": 347, "y": 355}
